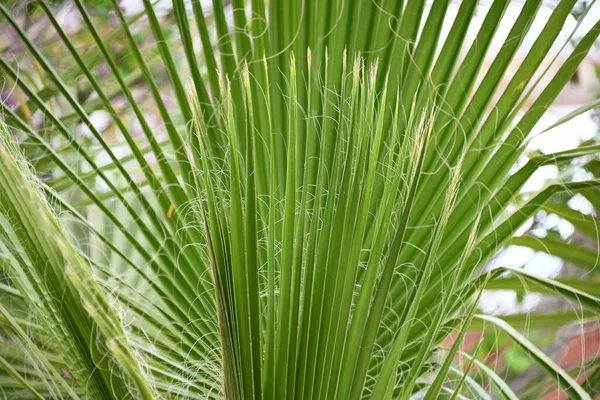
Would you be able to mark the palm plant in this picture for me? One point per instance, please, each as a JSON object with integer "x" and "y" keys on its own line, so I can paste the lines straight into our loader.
{"x": 315, "y": 222}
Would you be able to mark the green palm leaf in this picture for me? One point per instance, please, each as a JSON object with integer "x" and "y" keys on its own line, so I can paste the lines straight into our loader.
{"x": 309, "y": 220}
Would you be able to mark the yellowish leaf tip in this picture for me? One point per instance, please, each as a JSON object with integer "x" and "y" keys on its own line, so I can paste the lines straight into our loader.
{"x": 170, "y": 211}
{"x": 191, "y": 89}
{"x": 246, "y": 73}
{"x": 292, "y": 62}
